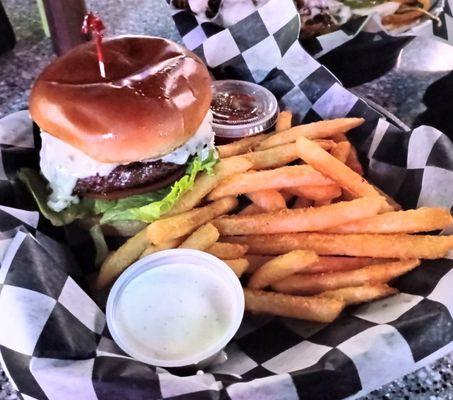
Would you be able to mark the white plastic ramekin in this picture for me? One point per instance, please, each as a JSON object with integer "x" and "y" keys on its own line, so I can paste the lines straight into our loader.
{"x": 206, "y": 264}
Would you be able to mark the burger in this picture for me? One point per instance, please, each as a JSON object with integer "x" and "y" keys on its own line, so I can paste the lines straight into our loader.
{"x": 125, "y": 147}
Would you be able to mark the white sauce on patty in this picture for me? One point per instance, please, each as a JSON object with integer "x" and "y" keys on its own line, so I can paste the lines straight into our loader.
{"x": 62, "y": 164}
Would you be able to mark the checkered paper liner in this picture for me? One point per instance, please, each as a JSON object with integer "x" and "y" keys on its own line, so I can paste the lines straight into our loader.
{"x": 53, "y": 338}
{"x": 367, "y": 31}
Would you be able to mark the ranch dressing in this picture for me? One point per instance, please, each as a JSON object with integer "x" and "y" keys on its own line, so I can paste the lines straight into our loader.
{"x": 174, "y": 311}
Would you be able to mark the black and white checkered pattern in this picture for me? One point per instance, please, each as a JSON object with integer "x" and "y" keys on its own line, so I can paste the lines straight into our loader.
{"x": 53, "y": 338}
{"x": 364, "y": 31}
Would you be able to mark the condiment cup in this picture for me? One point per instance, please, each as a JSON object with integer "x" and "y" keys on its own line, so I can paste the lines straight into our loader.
{"x": 175, "y": 308}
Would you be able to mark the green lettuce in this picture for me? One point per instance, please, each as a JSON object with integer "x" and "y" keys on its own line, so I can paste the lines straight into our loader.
{"x": 145, "y": 207}
{"x": 152, "y": 206}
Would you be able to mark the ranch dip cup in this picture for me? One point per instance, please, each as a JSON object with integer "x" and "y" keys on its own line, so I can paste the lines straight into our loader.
{"x": 175, "y": 308}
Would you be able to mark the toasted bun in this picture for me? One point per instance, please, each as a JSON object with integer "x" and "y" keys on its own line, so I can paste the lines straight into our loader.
{"x": 153, "y": 100}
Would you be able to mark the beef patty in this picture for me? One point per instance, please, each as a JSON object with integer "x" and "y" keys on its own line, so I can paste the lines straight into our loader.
{"x": 130, "y": 179}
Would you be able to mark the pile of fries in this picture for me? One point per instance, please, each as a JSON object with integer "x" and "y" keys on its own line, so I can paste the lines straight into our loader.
{"x": 315, "y": 236}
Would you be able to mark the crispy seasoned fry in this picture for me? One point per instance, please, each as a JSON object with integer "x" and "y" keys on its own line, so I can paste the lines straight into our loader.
{"x": 360, "y": 294}
{"x": 251, "y": 209}
{"x": 322, "y": 161}
{"x": 281, "y": 267}
{"x": 122, "y": 258}
{"x": 268, "y": 200}
{"x": 317, "y": 283}
{"x": 283, "y": 121}
{"x": 410, "y": 221}
{"x": 357, "y": 245}
{"x": 317, "y": 193}
{"x": 334, "y": 264}
{"x": 341, "y": 137}
{"x": 205, "y": 183}
{"x": 240, "y": 147}
{"x": 320, "y": 203}
{"x": 204, "y": 237}
{"x": 298, "y": 220}
{"x": 274, "y": 157}
{"x": 341, "y": 151}
{"x": 227, "y": 251}
{"x": 169, "y": 244}
{"x": 392, "y": 203}
{"x": 309, "y": 308}
{"x": 185, "y": 223}
{"x": 279, "y": 156}
{"x": 353, "y": 161}
{"x": 315, "y": 130}
{"x": 296, "y": 175}
{"x": 255, "y": 261}
{"x": 238, "y": 265}
{"x": 325, "y": 144}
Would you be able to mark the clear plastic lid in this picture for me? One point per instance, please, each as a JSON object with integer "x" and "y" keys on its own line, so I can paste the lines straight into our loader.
{"x": 242, "y": 109}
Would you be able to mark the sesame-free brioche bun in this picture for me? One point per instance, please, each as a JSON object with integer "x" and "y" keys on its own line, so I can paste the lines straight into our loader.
{"x": 152, "y": 101}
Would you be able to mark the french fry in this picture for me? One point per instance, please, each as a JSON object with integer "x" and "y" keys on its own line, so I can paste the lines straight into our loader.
{"x": 299, "y": 220}
{"x": 315, "y": 130}
{"x": 281, "y": 267}
{"x": 238, "y": 265}
{"x": 317, "y": 283}
{"x": 251, "y": 209}
{"x": 325, "y": 144}
{"x": 356, "y": 245}
{"x": 335, "y": 264}
{"x": 205, "y": 183}
{"x": 317, "y": 309}
{"x": 240, "y": 147}
{"x": 392, "y": 203}
{"x": 321, "y": 203}
{"x": 353, "y": 161}
{"x": 227, "y": 251}
{"x": 283, "y": 121}
{"x": 296, "y": 175}
{"x": 279, "y": 156}
{"x": 410, "y": 221}
{"x": 204, "y": 237}
{"x": 341, "y": 151}
{"x": 268, "y": 200}
{"x": 340, "y": 137}
{"x": 169, "y": 244}
{"x": 274, "y": 157}
{"x": 117, "y": 262}
{"x": 317, "y": 193}
{"x": 360, "y": 294}
{"x": 322, "y": 161}
{"x": 255, "y": 261}
{"x": 185, "y": 223}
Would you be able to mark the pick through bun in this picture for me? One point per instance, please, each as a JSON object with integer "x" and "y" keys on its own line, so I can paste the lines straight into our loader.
{"x": 153, "y": 100}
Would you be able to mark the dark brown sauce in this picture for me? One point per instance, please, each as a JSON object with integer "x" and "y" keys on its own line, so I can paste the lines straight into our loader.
{"x": 234, "y": 107}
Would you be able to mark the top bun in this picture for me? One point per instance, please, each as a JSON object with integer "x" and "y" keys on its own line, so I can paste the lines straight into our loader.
{"x": 153, "y": 100}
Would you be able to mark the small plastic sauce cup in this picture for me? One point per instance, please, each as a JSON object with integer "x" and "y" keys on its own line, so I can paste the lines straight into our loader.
{"x": 175, "y": 308}
{"x": 241, "y": 109}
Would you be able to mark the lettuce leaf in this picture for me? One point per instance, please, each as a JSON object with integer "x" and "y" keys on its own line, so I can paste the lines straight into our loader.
{"x": 38, "y": 188}
{"x": 144, "y": 207}
{"x": 152, "y": 206}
